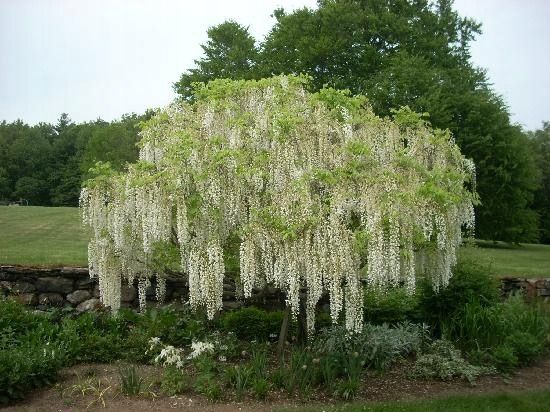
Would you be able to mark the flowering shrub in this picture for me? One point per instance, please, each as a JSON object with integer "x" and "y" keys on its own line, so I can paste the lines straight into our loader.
{"x": 319, "y": 191}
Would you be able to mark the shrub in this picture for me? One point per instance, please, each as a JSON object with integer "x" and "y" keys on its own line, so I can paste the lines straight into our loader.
{"x": 92, "y": 337}
{"x": 443, "y": 361}
{"x": 392, "y": 306}
{"x": 526, "y": 347}
{"x": 511, "y": 333}
{"x": 174, "y": 326}
{"x": 16, "y": 320}
{"x": 27, "y": 366}
{"x": 30, "y": 355}
{"x": 207, "y": 384}
{"x": 470, "y": 282}
{"x": 251, "y": 323}
{"x": 503, "y": 357}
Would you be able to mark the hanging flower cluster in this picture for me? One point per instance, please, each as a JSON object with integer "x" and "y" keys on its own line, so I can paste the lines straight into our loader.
{"x": 321, "y": 194}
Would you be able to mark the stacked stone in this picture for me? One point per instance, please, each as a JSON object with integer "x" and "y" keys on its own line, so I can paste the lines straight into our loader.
{"x": 530, "y": 288}
{"x": 71, "y": 287}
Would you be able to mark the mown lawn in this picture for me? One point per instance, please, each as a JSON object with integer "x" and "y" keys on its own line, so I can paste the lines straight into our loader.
{"x": 32, "y": 235}
{"x": 525, "y": 260}
{"x": 49, "y": 236}
{"x": 528, "y": 401}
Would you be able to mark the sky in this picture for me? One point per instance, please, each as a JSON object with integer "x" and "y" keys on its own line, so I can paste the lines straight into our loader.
{"x": 103, "y": 58}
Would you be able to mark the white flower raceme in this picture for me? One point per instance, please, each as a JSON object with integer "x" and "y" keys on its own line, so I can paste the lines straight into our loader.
{"x": 170, "y": 356}
{"x": 322, "y": 195}
{"x": 198, "y": 348}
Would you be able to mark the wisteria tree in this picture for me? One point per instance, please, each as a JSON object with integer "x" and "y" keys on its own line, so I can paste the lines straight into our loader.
{"x": 317, "y": 191}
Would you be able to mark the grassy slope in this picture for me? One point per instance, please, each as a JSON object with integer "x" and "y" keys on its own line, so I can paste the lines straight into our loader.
{"x": 49, "y": 236}
{"x": 53, "y": 236}
{"x": 526, "y": 260}
{"x": 529, "y": 401}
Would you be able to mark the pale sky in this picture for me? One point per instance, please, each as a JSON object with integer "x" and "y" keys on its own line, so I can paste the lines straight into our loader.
{"x": 104, "y": 58}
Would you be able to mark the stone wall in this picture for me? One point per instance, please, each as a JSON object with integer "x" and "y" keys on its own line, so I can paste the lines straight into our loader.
{"x": 72, "y": 288}
{"x": 531, "y": 288}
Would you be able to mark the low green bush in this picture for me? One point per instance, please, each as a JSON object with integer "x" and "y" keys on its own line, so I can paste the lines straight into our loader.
{"x": 208, "y": 384}
{"x": 506, "y": 334}
{"x": 174, "y": 381}
{"x": 470, "y": 282}
{"x": 392, "y": 306}
{"x": 93, "y": 337}
{"x": 251, "y": 323}
{"x": 503, "y": 357}
{"x": 16, "y": 321}
{"x": 28, "y": 366}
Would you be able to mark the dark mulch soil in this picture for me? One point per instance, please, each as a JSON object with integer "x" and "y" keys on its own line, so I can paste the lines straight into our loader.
{"x": 97, "y": 387}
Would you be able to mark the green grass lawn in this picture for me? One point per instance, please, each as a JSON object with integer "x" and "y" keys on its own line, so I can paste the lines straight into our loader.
{"x": 527, "y": 401}
{"x": 525, "y": 260}
{"x": 52, "y": 236}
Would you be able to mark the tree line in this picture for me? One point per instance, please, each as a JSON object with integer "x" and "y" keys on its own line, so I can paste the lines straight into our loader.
{"x": 413, "y": 53}
{"x": 46, "y": 164}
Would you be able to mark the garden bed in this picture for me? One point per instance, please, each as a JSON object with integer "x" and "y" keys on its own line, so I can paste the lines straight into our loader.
{"x": 392, "y": 385}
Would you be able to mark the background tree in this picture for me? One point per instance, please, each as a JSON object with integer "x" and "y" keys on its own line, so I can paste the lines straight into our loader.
{"x": 230, "y": 52}
{"x": 46, "y": 164}
{"x": 28, "y": 162}
{"x": 540, "y": 140}
{"x": 114, "y": 142}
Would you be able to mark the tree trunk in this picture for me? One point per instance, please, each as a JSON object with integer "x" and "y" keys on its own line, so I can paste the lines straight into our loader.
{"x": 283, "y": 333}
{"x": 302, "y": 320}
